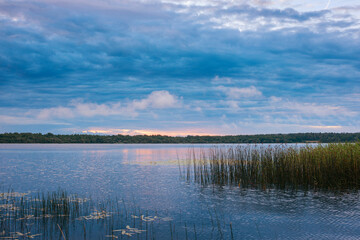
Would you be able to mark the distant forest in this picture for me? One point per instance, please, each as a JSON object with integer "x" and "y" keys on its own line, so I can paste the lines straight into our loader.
{"x": 260, "y": 138}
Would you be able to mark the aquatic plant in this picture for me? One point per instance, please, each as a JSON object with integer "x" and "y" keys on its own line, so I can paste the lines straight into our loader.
{"x": 59, "y": 215}
{"x": 330, "y": 166}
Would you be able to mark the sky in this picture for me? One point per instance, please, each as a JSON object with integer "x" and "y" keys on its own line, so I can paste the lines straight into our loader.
{"x": 179, "y": 67}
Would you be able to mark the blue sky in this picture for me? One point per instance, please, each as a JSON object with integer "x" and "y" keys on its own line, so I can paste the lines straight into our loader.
{"x": 179, "y": 67}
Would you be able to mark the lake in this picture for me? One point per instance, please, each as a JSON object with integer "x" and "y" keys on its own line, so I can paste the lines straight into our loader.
{"x": 147, "y": 178}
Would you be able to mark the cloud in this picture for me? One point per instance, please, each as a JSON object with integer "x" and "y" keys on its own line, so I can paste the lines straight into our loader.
{"x": 77, "y": 108}
{"x": 56, "y": 112}
{"x": 93, "y": 109}
{"x": 309, "y": 109}
{"x": 176, "y": 132}
{"x": 238, "y": 93}
{"x": 326, "y": 127}
{"x": 328, "y": 4}
{"x": 234, "y": 105}
{"x": 157, "y": 100}
{"x": 268, "y": 13}
{"x": 221, "y": 80}
{"x": 23, "y": 120}
{"x": 117, "y": 55}
{"x": 246, "y": 127}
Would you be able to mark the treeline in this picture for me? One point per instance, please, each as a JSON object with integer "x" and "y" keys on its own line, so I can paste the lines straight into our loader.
{"x": 260, "y": 138}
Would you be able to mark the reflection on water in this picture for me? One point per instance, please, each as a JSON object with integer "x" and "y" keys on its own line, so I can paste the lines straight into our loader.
{"x": 146, "y": 156}
{"x": 128, "y": 172}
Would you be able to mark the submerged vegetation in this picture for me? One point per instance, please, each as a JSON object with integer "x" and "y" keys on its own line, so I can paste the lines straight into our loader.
{"x": 58, "y": 215}
{"x": 330, "y": 166}
{"x": 261, "y": 138}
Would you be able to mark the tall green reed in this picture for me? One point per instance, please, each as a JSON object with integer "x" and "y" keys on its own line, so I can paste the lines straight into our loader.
{"x": 330, "y": 166}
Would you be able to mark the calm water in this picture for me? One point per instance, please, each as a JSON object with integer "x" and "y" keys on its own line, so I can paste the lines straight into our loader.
{"x": 148, "y": 176}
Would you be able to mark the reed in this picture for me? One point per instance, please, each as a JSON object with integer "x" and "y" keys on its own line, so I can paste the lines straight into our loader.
{"x": 59, "y": 215}
{"x": 330, "y": 166}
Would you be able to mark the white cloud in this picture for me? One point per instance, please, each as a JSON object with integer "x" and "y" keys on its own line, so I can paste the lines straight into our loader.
{"x": 263, "y": 15}
{"x": 310, "y": 109}
{"x": 275, "y": 99}
{"x": 244, "y": 127}
{"x": 92, "y": 109}
{"x": 20, "y": 120}
{"x": 326, "y": 127}
{"x": 155, "y": 100}
{"x": 237, "y": 93}
{"x": 174, "y": 132}
{"x": 56, "y": 112}
{"x": 234, "y": 105}
{"x": 221, "y": 80}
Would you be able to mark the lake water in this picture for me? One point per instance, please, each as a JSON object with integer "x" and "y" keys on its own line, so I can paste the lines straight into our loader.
{"x": 148, "y": 176}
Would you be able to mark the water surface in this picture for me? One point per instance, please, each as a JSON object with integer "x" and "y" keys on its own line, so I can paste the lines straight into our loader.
{"x": 148, "y": 176}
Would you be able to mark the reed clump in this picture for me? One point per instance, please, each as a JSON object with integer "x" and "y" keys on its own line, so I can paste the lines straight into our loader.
{"x": 59, "y": 215}
{"x": 330, "y": 166}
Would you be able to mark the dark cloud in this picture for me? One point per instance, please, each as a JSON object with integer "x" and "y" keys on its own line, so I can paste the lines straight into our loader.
{"x": 288, "y": 13}
{"x": 53, "y": 52}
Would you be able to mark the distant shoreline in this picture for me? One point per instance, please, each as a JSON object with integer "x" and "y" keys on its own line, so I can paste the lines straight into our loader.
{"x": 34, "y": 138}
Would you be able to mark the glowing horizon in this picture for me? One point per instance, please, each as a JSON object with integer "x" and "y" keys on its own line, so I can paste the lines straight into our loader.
{"x": 176, "y": 133}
